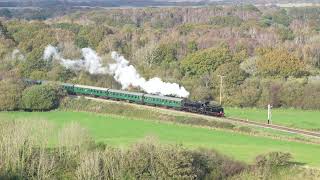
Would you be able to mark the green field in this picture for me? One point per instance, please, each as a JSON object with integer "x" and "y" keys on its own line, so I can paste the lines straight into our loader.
{"x": 296, "y": 118}
{"x": 121, "y": 131}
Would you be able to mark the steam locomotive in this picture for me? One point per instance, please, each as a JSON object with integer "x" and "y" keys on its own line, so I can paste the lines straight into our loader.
{"x": 181, "y": 104}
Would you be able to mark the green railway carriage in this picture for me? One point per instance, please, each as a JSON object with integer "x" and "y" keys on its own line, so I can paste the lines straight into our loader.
{"x": 163, "y": 101}
{"x": 125, "y": 95}
{"x": 90, "y": 90}
{"x": 68, "y": 87}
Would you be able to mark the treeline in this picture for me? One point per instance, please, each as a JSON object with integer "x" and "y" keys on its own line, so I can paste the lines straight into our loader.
{"x": 27, "y": 155}
{"x": 33, "y": 13}
{"x": 267, "y": 55}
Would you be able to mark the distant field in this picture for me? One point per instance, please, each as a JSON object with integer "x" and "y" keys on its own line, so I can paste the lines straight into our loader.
{"x": 289, "y": 117}
{"x": 121, "y": 131}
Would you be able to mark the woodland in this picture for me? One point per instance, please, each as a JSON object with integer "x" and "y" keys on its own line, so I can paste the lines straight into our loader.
{"x": 267, "y": 55}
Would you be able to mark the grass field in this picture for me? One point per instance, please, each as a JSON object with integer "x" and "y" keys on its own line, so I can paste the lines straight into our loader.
{"x": 288, "y": 117}
{"x": 121, "y": 131}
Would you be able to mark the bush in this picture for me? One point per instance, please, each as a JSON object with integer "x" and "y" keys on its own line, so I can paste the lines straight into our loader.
{"x": 41, "y": 97}
{"x": 291, "y": 94}
{"x": 273, "y": 159}
{"x": 23, "y": 152}
{"x": 209, "y": 164}
{"x": 270, "y": 92}
{"x": 148, "y": 159}
{"x": 248, "y": 93}
{"x": 311, "y": 96}
{"x": 10, "y": 95}
{"x": 245, "y": 129}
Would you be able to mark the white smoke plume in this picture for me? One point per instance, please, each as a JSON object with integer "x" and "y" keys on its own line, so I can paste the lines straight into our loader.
{"x": 121, "y": 70}
{"x": 90, "y": 63}
{"x": 16, "y": 54}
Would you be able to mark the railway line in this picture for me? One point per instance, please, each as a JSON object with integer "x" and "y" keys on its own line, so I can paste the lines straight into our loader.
{"x": 226, "y": 119}
{"x": 277, "y": 127}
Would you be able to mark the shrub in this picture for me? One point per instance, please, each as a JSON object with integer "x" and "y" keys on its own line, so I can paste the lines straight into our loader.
{"x": 150, "y": 160}
{"x": 245, "y": 129}
{"x": 209, "y": 164}
{"x": 291, "y": 94}
{"x": 248, "y": 93}
{"x": 41, "y": 97}
{"x": 311, "y": 96}
{"x": 23, "y": 153}
{"x": 270, "y": 94}
{"x": 10, "y": 95}
{"x": 273, "y": 159}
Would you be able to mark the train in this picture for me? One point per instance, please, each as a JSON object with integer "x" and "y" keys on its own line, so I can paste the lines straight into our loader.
{"x": 182, "y": 104}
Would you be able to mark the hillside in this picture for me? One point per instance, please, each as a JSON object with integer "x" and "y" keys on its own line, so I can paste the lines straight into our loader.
{"x": 149, "y": 71}
{"x": 138, "y": 3}
{"x": 267, "y": 55}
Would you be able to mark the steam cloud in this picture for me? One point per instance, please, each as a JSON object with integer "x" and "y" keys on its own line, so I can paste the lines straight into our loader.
{"x": 121, "y": 70}
{"x": 16, "y": 54}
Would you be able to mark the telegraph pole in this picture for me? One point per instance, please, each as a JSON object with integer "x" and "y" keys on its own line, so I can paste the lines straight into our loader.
{"x": 221, "y": 87}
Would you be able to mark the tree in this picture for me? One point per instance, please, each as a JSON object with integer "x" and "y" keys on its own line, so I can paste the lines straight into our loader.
{"x": 96, "y": 35}
{"x": 281, "y": 17}
{"x": 38, "y": 75}
{"x": 311, "y": 96}
{"x": 22, "y": 32}
{"x": 10, "y": 95}
{"x": 3, "y": 30}
{"x": 250, "y": 65}
{"x": 285, "y": 33}
{"x": 291, "y": 93}
{"x": 34, "y": 62}
{"x": 205, "y": 61}
{"x": 6, "y": 46}
{"x": 225, "y": 21}
{"x": 41, "y": 97}
{"x": 5, "y": 13}
{"x": 248, "y": 93}
{"x": 60, "y": 73}
{"x": 192, "y": 46}
{"x": 270, "y": 92}
{"x": 164, "y": 53}
{"x": 40, "y": 40}
{"x": 234, "y": 76}
{"x": 279, "y": 62}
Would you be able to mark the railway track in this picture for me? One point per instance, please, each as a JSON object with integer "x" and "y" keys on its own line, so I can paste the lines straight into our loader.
{"x": 228, "y": 119}
{"x": 277, "y": 127}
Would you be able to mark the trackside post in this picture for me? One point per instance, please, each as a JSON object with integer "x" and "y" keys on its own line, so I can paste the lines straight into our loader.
{"x": 269, "y": 113}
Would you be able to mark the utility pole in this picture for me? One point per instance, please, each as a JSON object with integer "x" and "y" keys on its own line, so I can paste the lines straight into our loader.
{"x": 221, "y": 87}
